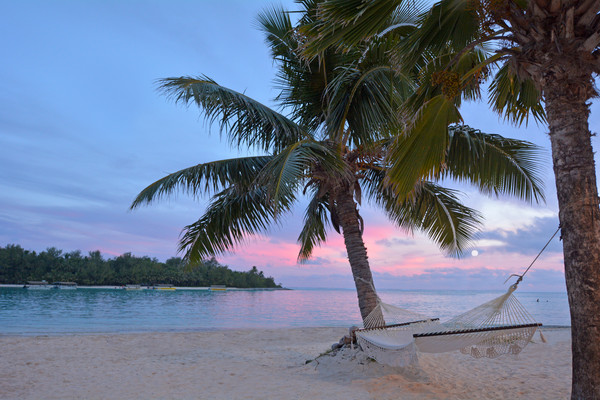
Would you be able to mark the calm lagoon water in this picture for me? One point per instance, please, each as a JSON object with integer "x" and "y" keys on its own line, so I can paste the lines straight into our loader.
{"x": 56, "y": 312}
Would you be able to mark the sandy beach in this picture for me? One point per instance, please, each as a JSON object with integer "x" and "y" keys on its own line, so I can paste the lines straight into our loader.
{"x": 266, "y": 364}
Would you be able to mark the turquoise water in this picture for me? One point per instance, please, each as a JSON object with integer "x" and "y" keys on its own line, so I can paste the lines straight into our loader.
{"x": 56, "y": 312}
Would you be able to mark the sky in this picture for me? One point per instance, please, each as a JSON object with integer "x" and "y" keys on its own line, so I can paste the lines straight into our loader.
{"x": 83, "y": 130}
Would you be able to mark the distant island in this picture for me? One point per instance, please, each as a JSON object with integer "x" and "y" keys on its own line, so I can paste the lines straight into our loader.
{"x": 18, "y": 265}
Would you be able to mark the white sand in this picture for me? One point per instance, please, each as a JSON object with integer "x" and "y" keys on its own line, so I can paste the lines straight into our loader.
{"x": 265, "y": 364}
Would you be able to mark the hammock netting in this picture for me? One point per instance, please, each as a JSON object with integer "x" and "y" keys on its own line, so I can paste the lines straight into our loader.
{"x": 393, "y": 336}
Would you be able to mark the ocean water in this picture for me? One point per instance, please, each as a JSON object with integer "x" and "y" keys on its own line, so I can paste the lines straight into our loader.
{"x": 57, "y": 312}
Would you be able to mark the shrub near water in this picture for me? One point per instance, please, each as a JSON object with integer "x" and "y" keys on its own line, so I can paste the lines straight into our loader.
{"x": 18, "y": 266}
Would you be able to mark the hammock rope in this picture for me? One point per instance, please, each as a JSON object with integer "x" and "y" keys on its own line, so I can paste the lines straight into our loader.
{"x": 535, "y": 259}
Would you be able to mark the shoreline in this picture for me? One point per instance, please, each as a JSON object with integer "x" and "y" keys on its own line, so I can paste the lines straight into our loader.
{"x": 351, "y": 289}
{"x": 266, "y": 364}
{"x": 114, "y": 287}
{"x": 544, "y": 328}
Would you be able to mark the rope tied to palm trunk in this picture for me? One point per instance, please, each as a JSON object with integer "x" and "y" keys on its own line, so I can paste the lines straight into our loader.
{"x": 370, "y": 283}
{"x": 520, "y": 277}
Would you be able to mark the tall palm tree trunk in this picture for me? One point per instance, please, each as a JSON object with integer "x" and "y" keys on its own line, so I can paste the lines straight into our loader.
{"x": 567, "y": 111}
{"x": 357, "y": 252}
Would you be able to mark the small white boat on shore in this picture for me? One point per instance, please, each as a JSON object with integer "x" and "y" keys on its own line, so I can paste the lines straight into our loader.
{"x": 37, "y": 285}
{"x": 163, "y": 287}
{"x": 132, "y": 287}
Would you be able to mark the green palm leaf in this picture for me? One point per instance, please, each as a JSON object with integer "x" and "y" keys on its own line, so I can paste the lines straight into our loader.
{"x": 471, "y": 68}
{"x": 275, "y": 22}
{"x": 314, "y": 231}
{"x": 438, "y": 212}
{"x": 494, "y": 164}
{"x": 420, "y": 153}
{"x": 514, "y": 98}
{"x": 203, "y": 178}
{"x": 233, "y": 214}
{"x": 284, "y": 173}
{"x": 366, "y": 104}
{"x": 448, "y": 23}
{"x": 244, "y": 120}
{"x": 366, "y": 96}
{"x": 348, "y": 22}
{"x": 403, "y": 20}
{"x": 432, "y": 209}
{"x": 301, "y": 83}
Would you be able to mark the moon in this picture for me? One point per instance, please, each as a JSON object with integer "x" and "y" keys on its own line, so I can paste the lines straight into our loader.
{"x": 474, "y": 253}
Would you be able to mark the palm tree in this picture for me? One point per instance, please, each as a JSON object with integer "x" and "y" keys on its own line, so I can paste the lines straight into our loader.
{"x": 544, "y": 52}
{"x": 332, "y": 146}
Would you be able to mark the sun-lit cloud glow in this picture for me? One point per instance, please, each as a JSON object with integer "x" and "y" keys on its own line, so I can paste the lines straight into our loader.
{"x": 510, "y": 216}
{"x": 412, "y": 261}
{"x": 396, "y": 256}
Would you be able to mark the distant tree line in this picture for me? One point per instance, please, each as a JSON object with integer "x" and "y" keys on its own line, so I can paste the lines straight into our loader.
{"x": 19, "y": 266}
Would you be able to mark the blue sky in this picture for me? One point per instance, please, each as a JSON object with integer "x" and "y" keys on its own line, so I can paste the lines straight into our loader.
{"x": 83, "y": 130}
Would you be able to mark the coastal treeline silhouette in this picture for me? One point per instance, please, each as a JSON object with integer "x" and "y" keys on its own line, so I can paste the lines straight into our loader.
{"x": 18, "y": 265}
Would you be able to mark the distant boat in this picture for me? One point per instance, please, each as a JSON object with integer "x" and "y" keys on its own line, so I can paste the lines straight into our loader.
{"x": 216, "y": 288}
{"x": 64, "y": 285}
{"x": 163, "y": 287}
{"x": 132, "y": 287}
{"x": 37, "y": 285}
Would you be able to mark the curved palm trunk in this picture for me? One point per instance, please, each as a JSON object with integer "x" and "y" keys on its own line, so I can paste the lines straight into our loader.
{"x": 573, "y": 158}
{"x": 357, "y": 252}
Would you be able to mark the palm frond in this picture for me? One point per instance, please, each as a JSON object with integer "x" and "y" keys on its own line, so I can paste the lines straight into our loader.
{"x": 302, "y": 85}
{"x": 365, "y": 96}
{"x": 437, "y": 212}
{"x": 494, "y": 164}
{"x": 275, "y": 22}
{"x": 243, "y": 119}
{"x": 448, "y": 23}
{"x": 314, "y": 231}
{"x": 404, "y": 20}
{"x": 419, "y": 154}
{"x": 515, "y": 99}
{"x": 232, "y": 216}
{"x": 426, "y": 88}
{"x": 348, "y": 22}
{"x": 284, "y": 173}
{"x": 366, "y": 103}
{"x": 203, "y": 178}
{"x": 473, "y": 70}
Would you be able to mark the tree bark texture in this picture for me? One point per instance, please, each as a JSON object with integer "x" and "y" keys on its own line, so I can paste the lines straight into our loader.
{"x": 357, "y": 252}
{"x": 573, "y": 158}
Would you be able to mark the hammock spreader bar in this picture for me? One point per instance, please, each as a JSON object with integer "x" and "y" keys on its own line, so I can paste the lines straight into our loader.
{"x": 397, "y": 325}
{"x": 474, "y": 330}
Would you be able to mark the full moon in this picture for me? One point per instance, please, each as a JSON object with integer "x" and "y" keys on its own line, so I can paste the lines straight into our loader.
{"x": 474, "y": 253}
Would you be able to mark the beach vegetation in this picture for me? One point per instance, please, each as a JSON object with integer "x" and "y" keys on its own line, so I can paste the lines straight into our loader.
{"x": 18, "y": 266}
{"x": 342, "y": 113}
{"x": 540, "y": 59}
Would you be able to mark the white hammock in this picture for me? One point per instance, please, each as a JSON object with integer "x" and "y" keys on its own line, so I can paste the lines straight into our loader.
{"x": 392, "y": 335}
